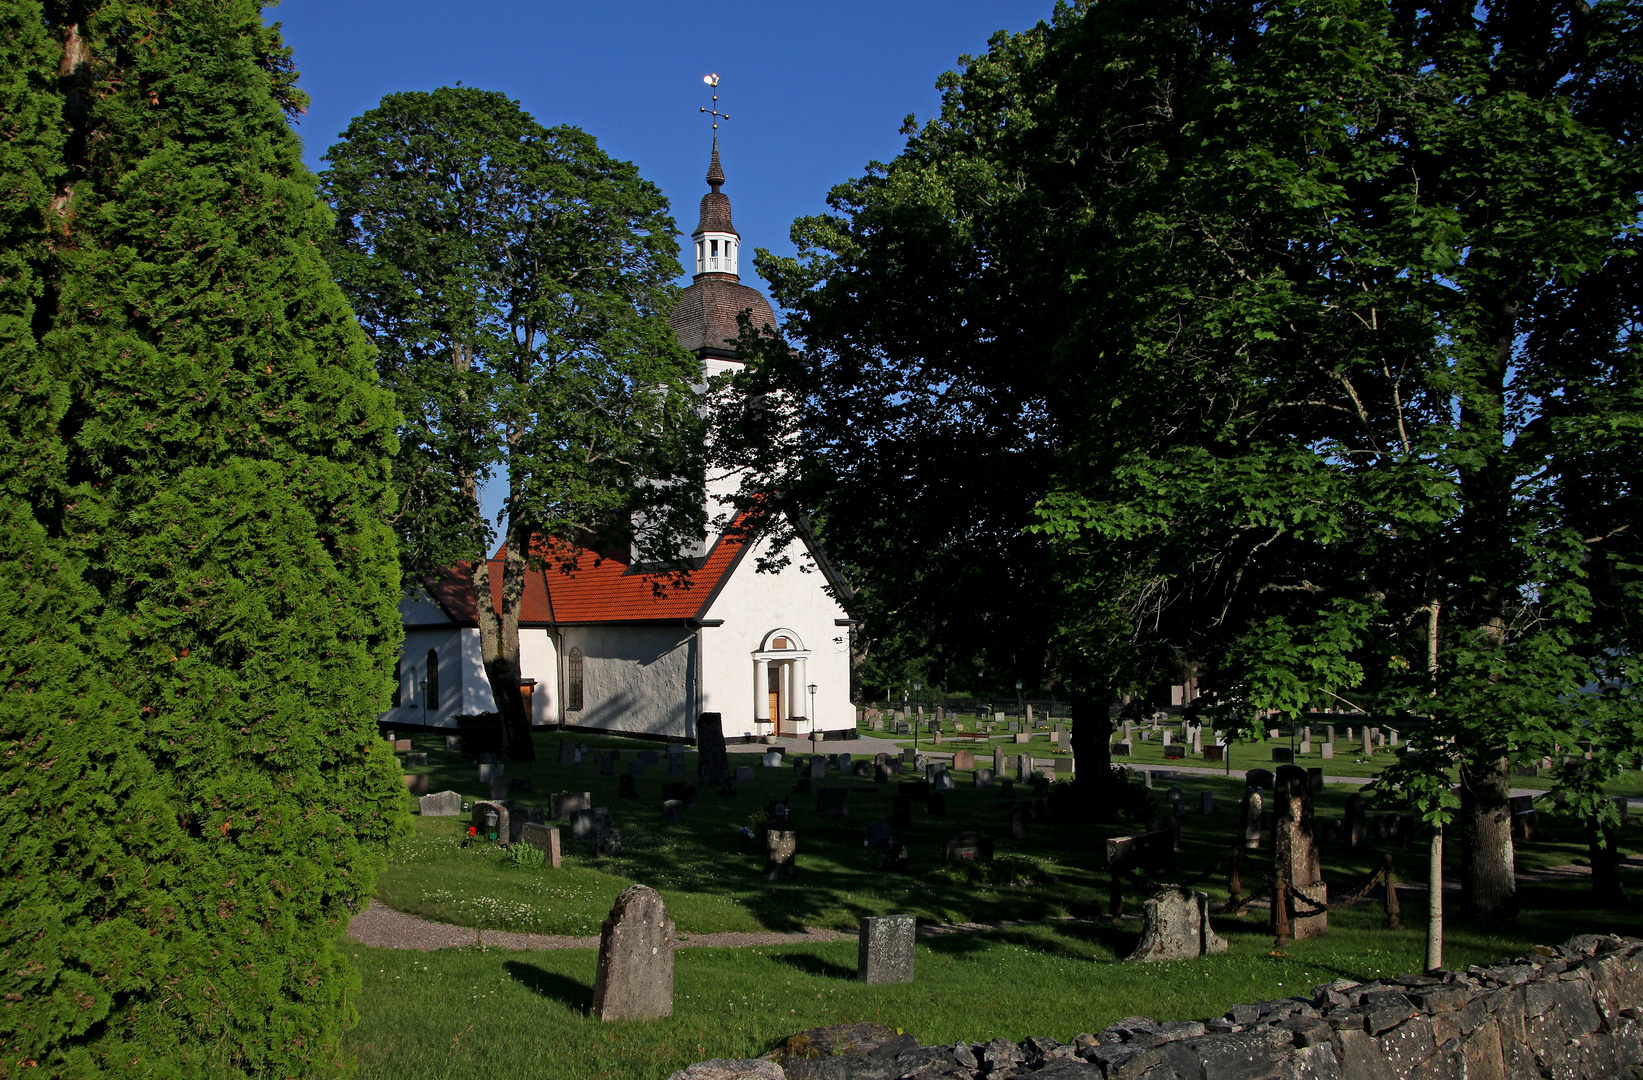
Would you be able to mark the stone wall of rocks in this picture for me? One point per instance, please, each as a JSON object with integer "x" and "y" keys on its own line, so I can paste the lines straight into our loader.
{"x": 1565, "y": 1013}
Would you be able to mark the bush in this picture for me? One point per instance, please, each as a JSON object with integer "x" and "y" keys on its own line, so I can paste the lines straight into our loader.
{"x": 198, "y": 594}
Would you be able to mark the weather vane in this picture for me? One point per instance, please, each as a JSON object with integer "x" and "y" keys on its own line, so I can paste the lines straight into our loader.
{"x": 713, "y": 81}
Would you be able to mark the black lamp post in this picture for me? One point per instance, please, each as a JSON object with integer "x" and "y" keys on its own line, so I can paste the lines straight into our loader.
{"x": 1020, "y": 705}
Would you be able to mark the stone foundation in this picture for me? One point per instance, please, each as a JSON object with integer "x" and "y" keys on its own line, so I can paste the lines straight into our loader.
{"x": 1566, "y": 1012}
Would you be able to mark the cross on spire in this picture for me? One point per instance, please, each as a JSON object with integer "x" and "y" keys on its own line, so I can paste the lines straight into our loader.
{"x": 713, "y": 81}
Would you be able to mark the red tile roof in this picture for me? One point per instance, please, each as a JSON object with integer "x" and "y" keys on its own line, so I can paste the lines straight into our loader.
{"x": 599, "y": 590}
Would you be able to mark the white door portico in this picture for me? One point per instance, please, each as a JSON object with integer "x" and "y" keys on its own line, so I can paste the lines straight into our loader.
{"x": 780, "y": 682}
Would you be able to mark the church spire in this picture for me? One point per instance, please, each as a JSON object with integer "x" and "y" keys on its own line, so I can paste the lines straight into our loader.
{"x": 718, "y": 245}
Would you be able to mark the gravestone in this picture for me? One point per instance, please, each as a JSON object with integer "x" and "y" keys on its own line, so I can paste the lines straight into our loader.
{"x": 744, "y": 773}
{"x": 1175, "y": 753}
{"x": 563, "y": 803}
{"x": 1168, "y": 741}
{"x": 833, "y": 802}
{"x": 684, "y": 792}
{"x": 881, "y": 773}
{"x": 780, "y": 847}
{"x": 585, "y": 824}
{"x": 1215, "y": 752}
{"x": 672, "y": 809}
{"x": 937, "y": 733}
{"x": 975, "y": 846}
{"x": 416, "y": 783}
{"x": 545, "y": 838}
{"x": 1283, "y": 754}
{"x": 998, "y": 760}
{"x": 635, "y": 975}
{"x": 1273, "y": 733}
{"x": 1018, "y": 821}
{"x": 984, "y": 778}
{"x": 943, "y": 781}
{"x": 1006, "y": 787}
{"x": 1175, "y": 926}
{"x": 401, "y": 745}
{"x": 712, "y": 766}
{"x": 453, "y": 743}
{"x": 1064, "y": 766}
{"x": 1393, "y": 732}
{"x": 1315, "y": 779}
{"x": 1024, "y": 767}
{"x": 1295, "y": 851}
{"x": 1356, "y": 828}
{"x": 413, "y": 761}
{"x": 964, "y": 759}
{"x": 844, "y": 762}
{"x": 818, "y": 767}
{"x": 1306, "y": 740}
{"x": 607, "y": 842}
{"x": 1249, "y": 818}
{"x": 440, "y": 804}
{"x": 1122, "y": 748}
{"x": 885, "y": 950}
{"x": 1368, "y": 742}
{"x": 1023, "y": 738}
{"x": 1327, "y": 752}
{"x": 878, "y": 833}
{"x": 1206, "y": 803}
{"x": 902, "y": 728}
{"x": 499, "y": 788}
{"x": 1261, "y": 778}
{"x": 485, "y": 828}
{"x": 878, "y": 724}
{"x": 901, "y": 811}
{"x": 567, "y": 753}
{"x": 488, "y": 772}
{"x": 626, "y": 788}
{"x": 771, "y": 760}
{"x": 1013, "y": 727}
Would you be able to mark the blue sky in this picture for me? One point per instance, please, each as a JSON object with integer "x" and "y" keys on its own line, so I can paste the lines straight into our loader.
{"x": 815, "y": 90}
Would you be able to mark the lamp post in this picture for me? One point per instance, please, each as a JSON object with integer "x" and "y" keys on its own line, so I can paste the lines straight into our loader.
{"x": 812, "y": 689}
{"x": 1020, "y": 705}
{"x": 422, "y": 692}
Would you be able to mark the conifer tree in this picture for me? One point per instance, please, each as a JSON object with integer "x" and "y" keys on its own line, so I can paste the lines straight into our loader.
{"x": 197, "y": 588}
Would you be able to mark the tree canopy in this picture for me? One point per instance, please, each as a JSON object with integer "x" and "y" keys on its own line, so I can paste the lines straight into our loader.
{"x": 517, "y": 281}
{"x": 1292, "y": 344}
{"x": 199, "y": 610}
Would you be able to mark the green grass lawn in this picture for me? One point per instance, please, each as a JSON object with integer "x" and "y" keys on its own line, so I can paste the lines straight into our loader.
{"x": 478, "y": 1012}
{"x": 498, "y": 1014}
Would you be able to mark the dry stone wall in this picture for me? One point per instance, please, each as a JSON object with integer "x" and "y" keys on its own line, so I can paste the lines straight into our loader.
{"x": 1564, "y": 1013}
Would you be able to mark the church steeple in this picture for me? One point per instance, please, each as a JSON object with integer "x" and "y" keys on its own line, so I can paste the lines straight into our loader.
{"x": 718, "y": 244}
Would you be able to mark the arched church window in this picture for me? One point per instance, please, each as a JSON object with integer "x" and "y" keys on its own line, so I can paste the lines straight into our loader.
{"x": 573, "y": 679}
{"x": 433, "y": 678}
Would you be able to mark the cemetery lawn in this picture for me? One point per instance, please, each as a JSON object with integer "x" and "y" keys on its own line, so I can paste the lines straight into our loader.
{"x": 461, "y": 1013}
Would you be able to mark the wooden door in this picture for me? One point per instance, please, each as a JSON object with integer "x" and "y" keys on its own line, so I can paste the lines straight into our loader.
{"x": 775, "y": 688}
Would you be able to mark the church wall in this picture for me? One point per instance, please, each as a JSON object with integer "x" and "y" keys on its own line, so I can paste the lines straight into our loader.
{"x": 753, "y": 604}
{"x": 539, "y": 660}
{"x": 448, "y": 641}
{"x": 636, "y": 678}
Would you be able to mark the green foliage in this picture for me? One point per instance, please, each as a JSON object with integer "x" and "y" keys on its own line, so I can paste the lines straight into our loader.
{"x": 200, "y": 602}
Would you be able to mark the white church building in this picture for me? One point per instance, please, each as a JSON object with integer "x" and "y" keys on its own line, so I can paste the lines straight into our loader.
{"x": 600, "y": 649}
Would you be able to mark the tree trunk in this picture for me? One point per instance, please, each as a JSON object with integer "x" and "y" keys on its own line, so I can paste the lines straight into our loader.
{"x": 499, "y": 639}
{"x": 1434, "y": 900}
{"x": 1605, "y": 856}
{"x": 1091, "y": 736}
{"x": 1486, "y": 870}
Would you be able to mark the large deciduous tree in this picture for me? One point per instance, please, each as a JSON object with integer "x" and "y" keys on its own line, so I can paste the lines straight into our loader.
{"x": 517, "y": 281}
{"x": 198, "y": 607}
{"x": 1308, "y": 334}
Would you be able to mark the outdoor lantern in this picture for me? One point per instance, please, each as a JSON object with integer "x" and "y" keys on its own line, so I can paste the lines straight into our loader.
{"x": 490, "y": 824}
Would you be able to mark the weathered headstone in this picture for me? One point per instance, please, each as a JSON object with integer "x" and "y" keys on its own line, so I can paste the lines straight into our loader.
{"x": 712, "y": 765}
{"x": 780, "y": 848}
{"x": 1357, "y": 830}
{"x": 984, "y": 778}
{"x": 1282, "y": 754}
{"x": 1175, "y": 926}
{"x": 1259, "y": 778}
{"x": 1368, "y": 741}
{"x": 1295, "y": 855}
{"x": 1327, "y": 752}
{"x": 1175, "y": 753}
{"x": 885, "y": 951}
{"x": 1152, "y": 851}
{"x": 607, "y": 842}
{"x": 1249, "y": 818}
{"x": 744, "y": 773}
{"x": 562, "y": 803}
{"x": 833, "y": 802}
{"x": 1122, "y": 748}
{"x": 771, "y": 760}
{"x": 943, "y": 781}
{"x": 440, "y": 804}
{"x": 998, "y": 760}
{"x": 672, "y": 809}
{"x": 1063, "y": 766}
{"x": 963, "y": 759}
{"x": 567, "y": 753}
{"x": 489, "y": 772}
{"x": 499, "y": 788}
{"x": 1315, "y": 779}
{"x": 584, "y": 824}
{"x": 818, "y": 767}
{"x": 1306, "y": 740}
{"x": 878, "y": 723}
{"x": 635, "y": 975}
{"x": 489, "y": 821}
{"x": 453, "y": 743}
{"x": 975, "y": 846}
{"x": 413, "y": 761}
{"x": 545, "y": 838}
{"x": 1024, "y": 767}
{"x": 1215, "y": 752}
{"x": 401, "y": 745}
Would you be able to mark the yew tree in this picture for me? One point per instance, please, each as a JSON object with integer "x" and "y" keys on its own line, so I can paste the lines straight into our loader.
{"x": 1304, "y": 339}
{"x": 198, "y": 587}
{"x": 517, "y": 280}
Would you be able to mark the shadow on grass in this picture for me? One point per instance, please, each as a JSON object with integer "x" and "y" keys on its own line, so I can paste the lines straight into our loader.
{"x": 575, "y": 995}
{"x": 815, "y": 965}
